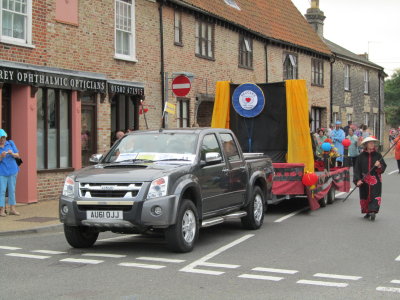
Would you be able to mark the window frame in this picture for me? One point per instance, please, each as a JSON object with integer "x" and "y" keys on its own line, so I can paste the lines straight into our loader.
{"x": 366, "y": 82}
{"x": 200, "y": 39}
{"x": 291, "y": 58}
{"x": 316, "y": 115}
{"x": 347, "y": 78}
{"x": 27, "y": 41}
{"x": 180, "y": 108}
{"x": 317, "y": 72}
{"x": 245, "y": 54}
{"x": 178, "y": 28}
{"x": 132, "y": 33}
{"x": 45, "y": 140}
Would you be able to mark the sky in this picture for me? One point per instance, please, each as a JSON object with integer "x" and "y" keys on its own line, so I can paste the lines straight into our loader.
{"x": 363, "y": 26}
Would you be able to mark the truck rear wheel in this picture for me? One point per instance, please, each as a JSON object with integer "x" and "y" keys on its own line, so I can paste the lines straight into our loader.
{"x": 255, "y": 210}
{"x": 182, "y": 236}
{"x": 324, "y": 200}
{"x": 80, "y": 236}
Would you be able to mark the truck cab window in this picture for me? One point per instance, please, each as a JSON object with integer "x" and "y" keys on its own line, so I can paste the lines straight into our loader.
{"x": 210, "y": 144}
{"x": 230, "y": 147}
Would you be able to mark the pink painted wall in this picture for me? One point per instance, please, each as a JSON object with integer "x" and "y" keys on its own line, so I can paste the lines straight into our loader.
{"x": 76, "y": 131}
{"x": 23, "y": 127}
{"x": 67, "y": 11}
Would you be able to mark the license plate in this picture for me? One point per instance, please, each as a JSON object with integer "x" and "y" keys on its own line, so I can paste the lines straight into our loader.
{"x": 104, "y": 215}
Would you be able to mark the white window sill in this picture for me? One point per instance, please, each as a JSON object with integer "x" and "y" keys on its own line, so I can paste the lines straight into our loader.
{"x": 16, "y": 43}
{"x": 125, "y": 58}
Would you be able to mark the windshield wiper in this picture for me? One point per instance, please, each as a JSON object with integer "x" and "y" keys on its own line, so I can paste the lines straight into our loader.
{"x": 132, "y": 160}
{"x": 171, "y": 159}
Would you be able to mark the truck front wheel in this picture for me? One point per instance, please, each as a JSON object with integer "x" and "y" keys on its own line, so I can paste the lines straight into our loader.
{"x": 255, "y": 210}
{"x": 182, "y": 236}
{"x": 80, "y": 236}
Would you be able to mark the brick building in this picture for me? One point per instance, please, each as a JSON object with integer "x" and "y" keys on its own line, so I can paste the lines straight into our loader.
{"x": 357, "y": 84}
{"x": 69, "y": 79}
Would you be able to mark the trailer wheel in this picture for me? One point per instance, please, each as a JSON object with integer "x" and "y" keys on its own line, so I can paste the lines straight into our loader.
{"x": 324, "y": 200}
{"x": 331, "y": 195}
{"x": 255, "y": 210}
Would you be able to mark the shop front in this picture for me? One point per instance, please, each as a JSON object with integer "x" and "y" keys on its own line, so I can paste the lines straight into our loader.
{"x": 52, "y": 116}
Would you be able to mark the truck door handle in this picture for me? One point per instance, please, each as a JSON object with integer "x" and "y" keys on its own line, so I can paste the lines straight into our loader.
{"x": 242, "y": 168}
{"x": 225, "y": 170}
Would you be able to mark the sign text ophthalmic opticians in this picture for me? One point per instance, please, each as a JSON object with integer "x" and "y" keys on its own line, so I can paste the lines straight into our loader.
{"x": 44, "y": 79}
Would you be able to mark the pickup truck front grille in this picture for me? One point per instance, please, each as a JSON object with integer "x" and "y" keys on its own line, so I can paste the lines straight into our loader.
{"x": 109, "y": 190}
{"x": 105, "y": 207}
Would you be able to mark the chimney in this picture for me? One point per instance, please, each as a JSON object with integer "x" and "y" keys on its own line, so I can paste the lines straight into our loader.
{"x": 316, "y": 18}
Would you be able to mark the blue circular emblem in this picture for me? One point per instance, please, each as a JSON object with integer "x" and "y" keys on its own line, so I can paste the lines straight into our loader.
{"x": 248, "y": 100}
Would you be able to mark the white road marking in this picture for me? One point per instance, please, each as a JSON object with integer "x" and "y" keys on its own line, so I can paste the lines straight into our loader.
{"x": 104, "y": 255}
{"x": 9, "y": 248}
{"x": 227, "y": 266}
{"x": 291, "y": 215}
{"x": 271, "y": 270}
{"x": 191, "y": 267}
{"x": 143, "y": 266}
{"x": 398, "y": 258}
{"x": 48, "y": 252}
{"x": 395, "y": 281}
{"x": 335, "y": 276}
{"x": 395, "y": 171}
{"x": 323, "y": 283}
{"x": 82, "y": 261}
{"x": 124, "y": 237}
{"x": 388, "y": 289}
{"x": 167, "y": 260}
{"x": 261, "y": 277}
{"x": 28, "y": 255}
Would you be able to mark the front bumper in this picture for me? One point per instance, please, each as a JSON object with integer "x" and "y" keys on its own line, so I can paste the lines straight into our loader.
{"x": 136, "y": 214}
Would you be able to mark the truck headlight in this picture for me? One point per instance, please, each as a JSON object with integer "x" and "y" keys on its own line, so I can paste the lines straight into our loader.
{"x": 69, "y": 187}
{"x": 158, "y": 188}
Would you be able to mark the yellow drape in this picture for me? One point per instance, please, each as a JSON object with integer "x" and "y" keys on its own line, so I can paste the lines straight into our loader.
{"x": 220, "y": 117}
{"x": 299, "y": 139}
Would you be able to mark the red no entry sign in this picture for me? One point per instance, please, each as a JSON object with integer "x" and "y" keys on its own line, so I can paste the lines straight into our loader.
{"x": 181, "y": 86}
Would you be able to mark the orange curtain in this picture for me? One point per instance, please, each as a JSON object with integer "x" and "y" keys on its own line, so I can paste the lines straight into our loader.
{"x": 220, "y": 116}
{"x": 299, "y": 138}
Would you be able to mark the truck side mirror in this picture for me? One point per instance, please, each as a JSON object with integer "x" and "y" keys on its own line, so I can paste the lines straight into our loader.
{"x": 213, "y": 158}
{"x": 95, "y": 158}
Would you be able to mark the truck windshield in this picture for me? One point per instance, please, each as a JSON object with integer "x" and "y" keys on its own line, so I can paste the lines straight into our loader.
{"x": 154, "y": 147}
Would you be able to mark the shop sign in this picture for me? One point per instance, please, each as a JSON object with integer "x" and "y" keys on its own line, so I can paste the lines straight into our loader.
{"x": 52, "y": 80}
{"x": 125, "y": 89}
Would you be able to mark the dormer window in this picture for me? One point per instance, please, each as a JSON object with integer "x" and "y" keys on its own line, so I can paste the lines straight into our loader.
{"x": 232, "y": 3}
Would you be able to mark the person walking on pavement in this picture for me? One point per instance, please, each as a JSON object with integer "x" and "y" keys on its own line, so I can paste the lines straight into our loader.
{"x": 353, "y": 148}
{"x": 337, "y": 135}
{"x": 397, "y": 151}
{"x": 367, "y": 176}
{"x": 8, "y": 173}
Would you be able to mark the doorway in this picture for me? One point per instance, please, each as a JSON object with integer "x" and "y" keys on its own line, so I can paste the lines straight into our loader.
{"x": 88, "y": 127}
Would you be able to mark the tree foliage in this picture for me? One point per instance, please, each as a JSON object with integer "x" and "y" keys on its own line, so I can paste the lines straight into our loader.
{"x": 392, "y": 99}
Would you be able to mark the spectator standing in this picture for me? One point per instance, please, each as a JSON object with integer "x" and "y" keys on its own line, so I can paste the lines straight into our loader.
{"x": 8, "y": 173}
{"x": 397, "y": 151}
{"x": 354, "y": 146}
{"x": 346, "y": 128}
{"x": 337, "y": 136}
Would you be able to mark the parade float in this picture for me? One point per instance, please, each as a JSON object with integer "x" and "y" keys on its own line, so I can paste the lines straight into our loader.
{"x": 273, "y": 119}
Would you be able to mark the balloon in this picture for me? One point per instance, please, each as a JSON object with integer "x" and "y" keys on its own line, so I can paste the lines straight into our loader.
{"x": 346, "y": 143}
{"x": 326, "y": 146}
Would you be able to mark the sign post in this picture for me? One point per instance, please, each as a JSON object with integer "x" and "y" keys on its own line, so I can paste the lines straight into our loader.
{"x": 181, "y": 86}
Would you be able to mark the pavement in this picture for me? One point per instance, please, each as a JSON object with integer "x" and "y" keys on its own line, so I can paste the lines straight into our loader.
{"x": 34, "y": 217}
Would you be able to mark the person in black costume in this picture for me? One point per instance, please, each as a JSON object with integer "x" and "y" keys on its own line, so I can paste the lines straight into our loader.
{"x": 368, "y": 169}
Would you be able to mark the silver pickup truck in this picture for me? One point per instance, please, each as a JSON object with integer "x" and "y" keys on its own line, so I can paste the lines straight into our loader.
{"x": 174, "y": 181}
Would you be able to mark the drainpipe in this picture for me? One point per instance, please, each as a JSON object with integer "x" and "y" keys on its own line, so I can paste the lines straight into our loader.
{"x": 266, "y": 62}
{"x": 332, "y": 61}
{"x": 379, "y": 105}
{"x": 160, "y": 9}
